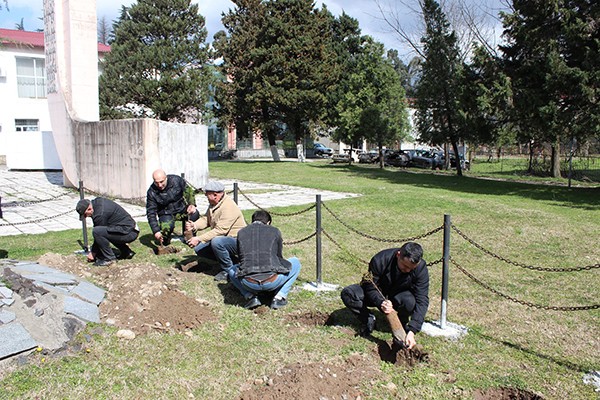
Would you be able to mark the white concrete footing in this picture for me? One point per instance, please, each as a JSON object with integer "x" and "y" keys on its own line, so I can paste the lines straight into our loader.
{"x": 320, "y": 287}
{"x": 451, "y": 331}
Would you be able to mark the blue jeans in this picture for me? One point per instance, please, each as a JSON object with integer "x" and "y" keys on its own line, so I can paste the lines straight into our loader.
{"x": 283, "y": 283}
{"x": 222, "y": 249}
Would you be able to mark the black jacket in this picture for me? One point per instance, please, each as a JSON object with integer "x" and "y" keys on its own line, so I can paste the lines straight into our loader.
{"x": 259, "y": 250}
{"x": 169, "y": 201}
{"x": 113, "y": 216}
{"x": 391, "y": 281}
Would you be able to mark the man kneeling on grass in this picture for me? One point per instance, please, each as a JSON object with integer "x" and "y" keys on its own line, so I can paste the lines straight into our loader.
{"x": 262, "y": 267}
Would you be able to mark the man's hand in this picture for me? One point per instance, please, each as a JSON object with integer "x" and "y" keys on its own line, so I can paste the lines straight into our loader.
{"x": 158, "y": 236}
{"x": 91, "y": 257}
{"x": 189, "y": 225}
{"x": 410, "y": 340}
{"x": 387, "y": 307}
{"x": 191, "y": 209}
{"x": 193, "y": 242}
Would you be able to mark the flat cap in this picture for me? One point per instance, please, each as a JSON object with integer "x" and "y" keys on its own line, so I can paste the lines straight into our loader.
{"x": 213, "y": 186}
{"x": 81, "y": 206}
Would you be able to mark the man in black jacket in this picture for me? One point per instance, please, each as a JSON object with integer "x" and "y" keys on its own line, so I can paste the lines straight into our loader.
{"x": 112, "y": 224}
{"x": 400, "y": 281}
{"x": 165, "y": 204}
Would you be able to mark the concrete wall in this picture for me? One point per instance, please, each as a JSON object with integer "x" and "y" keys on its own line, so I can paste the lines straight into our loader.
{"x": 117, "y": 157}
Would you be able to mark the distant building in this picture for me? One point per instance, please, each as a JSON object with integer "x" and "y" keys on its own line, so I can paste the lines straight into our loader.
{"x": 26, "y": 140}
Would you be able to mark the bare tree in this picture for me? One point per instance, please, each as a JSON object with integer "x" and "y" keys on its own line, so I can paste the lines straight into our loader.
{"x": 472, "y": 22}
{"x": 104, "y": 31}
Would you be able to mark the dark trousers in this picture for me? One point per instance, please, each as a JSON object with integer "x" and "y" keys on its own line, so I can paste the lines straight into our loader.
{"x": 103, "y": 239}
{"x": 167, "y": 224}
{"x": 353, "y": 297}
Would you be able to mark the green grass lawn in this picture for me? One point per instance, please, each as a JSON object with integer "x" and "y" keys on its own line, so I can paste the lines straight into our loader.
{"x": 508, "y": 344}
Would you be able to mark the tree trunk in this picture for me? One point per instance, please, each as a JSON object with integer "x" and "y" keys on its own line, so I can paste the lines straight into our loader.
{"x": 556, "y": 159}
{"x": 530, "y": 167}
{"x": 273, "y": 145}
{"x": 456, "y": 158}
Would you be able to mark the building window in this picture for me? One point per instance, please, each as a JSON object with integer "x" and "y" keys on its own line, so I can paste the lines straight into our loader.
{"x": 27, "y": 125}
{"x": 31, "y": 78}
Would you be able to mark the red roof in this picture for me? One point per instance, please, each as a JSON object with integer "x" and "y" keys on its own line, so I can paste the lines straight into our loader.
{"x": 10, "y": 37}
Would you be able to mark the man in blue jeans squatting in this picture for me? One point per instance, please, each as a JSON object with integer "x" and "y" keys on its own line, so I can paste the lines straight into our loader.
{"x": 224, "y": 219}
{"x": 262, "y": 267}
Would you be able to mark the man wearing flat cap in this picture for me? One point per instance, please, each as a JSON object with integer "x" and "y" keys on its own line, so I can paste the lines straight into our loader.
{"x": 224, "y": 219}
{"x": 112, "y": 225}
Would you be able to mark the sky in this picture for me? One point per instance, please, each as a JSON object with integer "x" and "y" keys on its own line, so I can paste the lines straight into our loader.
{"x": 365, "y": 11}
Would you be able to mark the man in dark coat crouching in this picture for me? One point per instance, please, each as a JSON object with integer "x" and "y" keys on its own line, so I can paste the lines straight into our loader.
{"x": 112, "y": 224}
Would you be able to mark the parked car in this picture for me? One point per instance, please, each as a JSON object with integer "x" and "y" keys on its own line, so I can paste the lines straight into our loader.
{"x": 396, "y": 158}
{"x": 322, "y": 150}
{"x": 368, "y": 157}
{"x": 424, "y": 159}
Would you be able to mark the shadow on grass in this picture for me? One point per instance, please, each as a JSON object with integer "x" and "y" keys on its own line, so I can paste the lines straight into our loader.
{"x": 559, "y": 361}
{"x": 583, "y": 198}
{"x": 3, "y": 253}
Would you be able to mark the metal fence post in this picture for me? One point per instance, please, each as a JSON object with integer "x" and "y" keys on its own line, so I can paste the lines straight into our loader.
{"x": 235, "y": 192}
{"x": 1, "y": 207}
{"x": 318, "y": 236}
{"x": 445, "y": 270}
{"x": 86, "y": 247}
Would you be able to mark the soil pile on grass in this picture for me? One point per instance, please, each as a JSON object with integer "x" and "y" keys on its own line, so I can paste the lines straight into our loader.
{"x": 140, "y": 297}
{"x": 505, "y": 394}
{"x": 313, "y": 381}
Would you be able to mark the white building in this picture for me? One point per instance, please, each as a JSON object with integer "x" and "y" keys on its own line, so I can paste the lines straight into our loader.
{"x": 26, "y": 140}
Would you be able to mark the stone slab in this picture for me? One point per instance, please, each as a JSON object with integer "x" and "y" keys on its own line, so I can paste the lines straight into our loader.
{"x": 53, "y": 279}
{"x": 7, "y": 302}
{"x": 34, "y": 268}
{"x": 82, "y": 309}
{"x": 7, "y": 316}
{"x": 6, "y": 292}
{"x": 14, "y": 339}
{"x": 451, "y": 330}
{"x": 89, "y": 292}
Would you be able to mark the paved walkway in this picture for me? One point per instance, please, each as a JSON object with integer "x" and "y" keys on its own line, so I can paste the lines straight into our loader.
{"x": 36, "y": 202}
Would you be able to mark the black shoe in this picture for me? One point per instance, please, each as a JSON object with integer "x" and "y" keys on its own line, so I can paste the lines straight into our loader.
{"x": 103, "y": 263}
{"x": 222, "y": 276}
{"x": 126, "y": 256}
{"x": 252, "y": 303}
{"x": 369, "y": 327}
{"x": 278, "y": 303}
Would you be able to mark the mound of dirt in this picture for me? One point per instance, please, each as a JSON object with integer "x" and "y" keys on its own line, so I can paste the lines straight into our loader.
{"x": 313, "y": 381}
{"x": 140, "y": 297}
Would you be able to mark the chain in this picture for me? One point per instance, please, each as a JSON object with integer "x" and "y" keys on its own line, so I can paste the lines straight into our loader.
{"x": 287, "y": 243}
{"x": 134, "y": 200}
{"x": 522, "y": 302}
{"x": 432, "y": 263}
{"x": 517, "y": 264}
{"x": 37, "y": 220}
{"x": 275, "y": 213}
{"x": 343, "y": 249}
{"x": 28, "y": 203}
{"x": 410, "y": 239}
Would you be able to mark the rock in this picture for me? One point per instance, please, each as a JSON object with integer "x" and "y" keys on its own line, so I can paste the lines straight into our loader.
{"x": 125, "y": 334}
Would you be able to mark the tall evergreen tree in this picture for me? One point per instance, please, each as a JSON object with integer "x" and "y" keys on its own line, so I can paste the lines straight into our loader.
{"x": 280, "y": 64}
{"x": 552, "y": 57}
{"x": 374, "y": 106}
{"x": 440, "y": 118}
{"x": 158, "y": 64}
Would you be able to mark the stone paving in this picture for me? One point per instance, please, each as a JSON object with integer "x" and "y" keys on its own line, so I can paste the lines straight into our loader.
{"x": 41, "y": 307}
{"x": 36, "y": 202}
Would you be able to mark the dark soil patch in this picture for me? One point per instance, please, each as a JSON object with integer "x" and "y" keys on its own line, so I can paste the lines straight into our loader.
{"x": 313, "y": 381}
{"x": 401, "y": 357}
{"x": 505, "y": 394}
{"x": 309, "y": 318}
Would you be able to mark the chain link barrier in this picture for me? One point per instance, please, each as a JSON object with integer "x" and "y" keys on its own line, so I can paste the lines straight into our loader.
{"x": 409, "y": 239}
{"x": 518, "y": 264}
{"x": 522, "y": 302}
{"x": 276, "y": 213}
{"x": 291, "y": 242}
{"x": 36, "y": 220}
{"x": 32, "y": 202}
